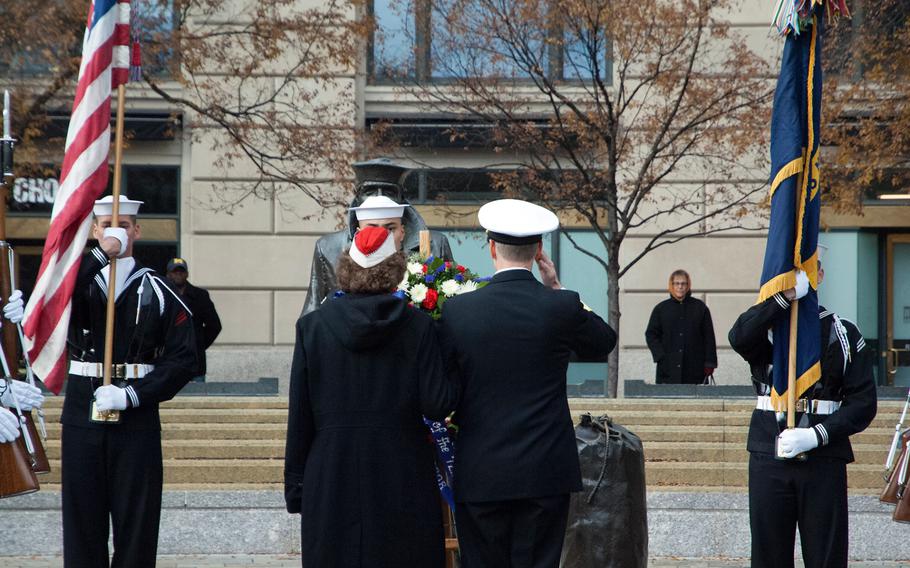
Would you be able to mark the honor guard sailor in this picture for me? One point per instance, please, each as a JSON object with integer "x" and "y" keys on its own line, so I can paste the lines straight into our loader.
{"x": 379, "y": 203}
{"x": 112, "y": 473}
{"x": 807, "y": 494}
{"x": 510, "y": 343}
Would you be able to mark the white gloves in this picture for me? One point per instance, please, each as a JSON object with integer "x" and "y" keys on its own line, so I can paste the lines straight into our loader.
{"x": 15, "y": 307}
{"x": 9, "y": 426}
{"x": 802, "y": 284}
{"x": 110, "y": 397}
{"x": 29, "y": 397}
{"x": 119, "y": 234}
{"x": 795, "y": 441}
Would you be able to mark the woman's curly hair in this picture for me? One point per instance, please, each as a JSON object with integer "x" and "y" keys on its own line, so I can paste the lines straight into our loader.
{"x": 379, "y": 279}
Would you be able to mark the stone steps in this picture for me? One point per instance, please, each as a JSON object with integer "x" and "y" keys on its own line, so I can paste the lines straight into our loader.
{"x": 655, "y": 451}
{"x": 238, "y": 442}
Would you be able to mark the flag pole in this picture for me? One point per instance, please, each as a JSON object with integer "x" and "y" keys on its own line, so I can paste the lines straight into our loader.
{"x": 791, "y": 364}
{"x": 113, "y": 415}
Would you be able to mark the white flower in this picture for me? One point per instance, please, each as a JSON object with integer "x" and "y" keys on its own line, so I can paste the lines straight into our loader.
{"x": 403, "y": 285}
{"x": 418, "y": 293}
{"x": 415, "y": 268}
{"x": 450, "y": 287}
{"x": 468, "y": 286}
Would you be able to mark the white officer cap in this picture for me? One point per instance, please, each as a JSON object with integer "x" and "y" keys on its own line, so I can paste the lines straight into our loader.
{"x": 516, "y": 222}
{"x": 104, "y": 207}
{"x": 378, "y": 207}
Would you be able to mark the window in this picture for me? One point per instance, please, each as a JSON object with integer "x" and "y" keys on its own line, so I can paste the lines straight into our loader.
{"x": 420, "y": 40}
{"x": 872, "y": 36}
{"x": 450, "y": 185}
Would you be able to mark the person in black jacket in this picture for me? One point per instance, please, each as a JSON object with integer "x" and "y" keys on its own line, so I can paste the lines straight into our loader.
{"x": 509, "y": 343}
{"x": 810, "y": 495}
{"x": 206, "y": 322}
{"x": 358, "y": 464}
{"x": 680, "y": 335}
{"x": 112, "y": 473}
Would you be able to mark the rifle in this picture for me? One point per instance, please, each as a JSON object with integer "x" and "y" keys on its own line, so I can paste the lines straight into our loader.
{"x": 17, "y": 476}
{"x": 8, "y": 335}
{"x": 41, "y": 463}
{"x": 889, "y": 495}
{"x": 892, "y": 452}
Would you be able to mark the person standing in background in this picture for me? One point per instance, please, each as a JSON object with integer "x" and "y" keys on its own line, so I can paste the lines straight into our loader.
{"x": 205, "y": 318}
{"x": 680, "y": 335}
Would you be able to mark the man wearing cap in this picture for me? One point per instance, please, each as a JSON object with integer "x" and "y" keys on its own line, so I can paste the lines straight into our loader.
{"x": 112, "y": 472}
{"x": 379, "y": 203}
{"x": 206, "y": 323}
{"x": 787, "y": 492}
{"x": 510, "y": 344}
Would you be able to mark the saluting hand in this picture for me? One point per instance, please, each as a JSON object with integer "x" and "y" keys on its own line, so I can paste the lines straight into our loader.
{"x": 114, "y": 241}
{"x": 548, "y": 271}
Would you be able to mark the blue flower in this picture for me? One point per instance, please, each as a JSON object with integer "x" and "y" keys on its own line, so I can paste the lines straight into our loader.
{"x": 429, "y": 259}
{"x": 440, "y": 268}
{"x": 459, "y": 278}
{"x": 430, "y": 278}
{"x": 338, "y": 293}
{"x": 400, "y": 294}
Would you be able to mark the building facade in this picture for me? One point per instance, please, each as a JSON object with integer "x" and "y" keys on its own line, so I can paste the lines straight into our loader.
{"x": 256, "y": 260}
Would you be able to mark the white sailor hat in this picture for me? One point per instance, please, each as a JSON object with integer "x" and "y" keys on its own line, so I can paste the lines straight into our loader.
{"x": 516, "y": 222}
{"x": 104, "y": 207}
{"x": 378, "y": 207}
{"x": 371, "y": 246}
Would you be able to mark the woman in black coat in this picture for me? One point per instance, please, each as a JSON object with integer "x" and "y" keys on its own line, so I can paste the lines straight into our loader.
{"x": 358, "y": 463}
{"x": 680, "y": 335}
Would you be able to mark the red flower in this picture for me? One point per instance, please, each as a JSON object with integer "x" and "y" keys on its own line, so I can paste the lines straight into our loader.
{"x": 448, "y": 265}
{"x": 460, "y": 268}
{"x": 430, "y": 301}
{"x": 424, "y": 268}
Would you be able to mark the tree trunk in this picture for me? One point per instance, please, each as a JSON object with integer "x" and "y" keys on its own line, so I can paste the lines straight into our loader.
{"x": 612, "y": 382}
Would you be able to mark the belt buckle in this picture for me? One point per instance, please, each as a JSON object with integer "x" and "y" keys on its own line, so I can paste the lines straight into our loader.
{"x": 802, "y": 405}
{"x": 118, "y": 371}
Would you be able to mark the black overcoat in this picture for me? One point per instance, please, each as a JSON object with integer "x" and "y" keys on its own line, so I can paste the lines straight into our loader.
{"x": 680, "y": 336}
{"x": 510, "y": 344}
{"x": 206, "y": 322}
{"x": 358, "y": 461}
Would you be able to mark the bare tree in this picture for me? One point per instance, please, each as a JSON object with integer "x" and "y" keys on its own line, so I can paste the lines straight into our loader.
{"x": 866, "y": 126}
{"x": 607, "y": 104}
{"x": 268, "y": 83}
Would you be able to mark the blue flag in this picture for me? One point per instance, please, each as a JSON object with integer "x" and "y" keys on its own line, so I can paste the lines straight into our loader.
{"x": 795, "y": 207}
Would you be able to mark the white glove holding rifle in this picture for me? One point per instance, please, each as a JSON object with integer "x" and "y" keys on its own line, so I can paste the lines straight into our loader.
{"x": 9, "y": 426}
{"x": 29, "y": 397}
{"x": 14, "y": 309}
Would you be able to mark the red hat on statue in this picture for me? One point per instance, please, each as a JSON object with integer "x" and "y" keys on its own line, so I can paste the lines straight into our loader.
{"x": 371, "y": 246}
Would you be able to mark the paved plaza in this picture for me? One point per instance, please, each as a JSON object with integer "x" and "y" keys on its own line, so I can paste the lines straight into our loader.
{"x": 286, "y": 561}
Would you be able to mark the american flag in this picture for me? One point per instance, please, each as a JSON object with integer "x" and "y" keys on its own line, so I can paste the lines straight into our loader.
{"x": 83, "y": 178}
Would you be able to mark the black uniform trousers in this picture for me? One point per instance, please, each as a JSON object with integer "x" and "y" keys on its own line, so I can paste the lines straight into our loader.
{"x": 110, "y": 475}
{"x": 521, "y": 533}
{"x": 786, "y": 494}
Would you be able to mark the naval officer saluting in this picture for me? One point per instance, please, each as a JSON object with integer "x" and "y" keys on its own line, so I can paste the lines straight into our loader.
{"x": 510, "y": 343}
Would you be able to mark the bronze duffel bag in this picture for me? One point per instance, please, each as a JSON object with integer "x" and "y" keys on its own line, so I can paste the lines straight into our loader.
{"x": 608, "y": 519}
